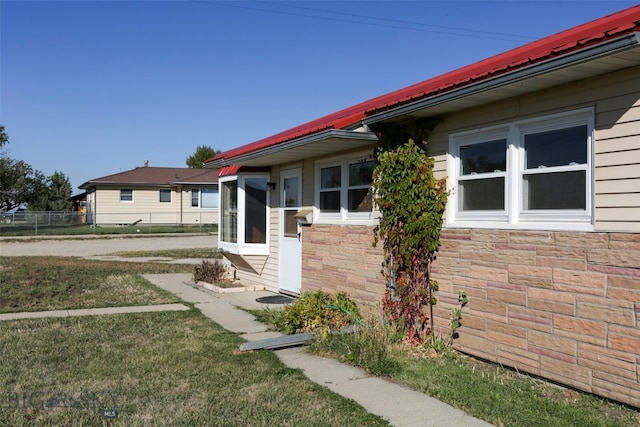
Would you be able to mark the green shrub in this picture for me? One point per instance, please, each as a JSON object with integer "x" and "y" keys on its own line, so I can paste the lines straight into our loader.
{"x": 210, "y": 272}
{"x": 320, "y": 312}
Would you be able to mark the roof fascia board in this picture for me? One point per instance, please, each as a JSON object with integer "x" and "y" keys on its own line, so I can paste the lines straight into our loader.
{"x": 606, "y": 48}
{"x": 295, "y": 143}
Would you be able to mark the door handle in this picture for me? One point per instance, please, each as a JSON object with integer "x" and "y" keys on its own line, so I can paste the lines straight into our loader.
{"x": 299, "y": 236}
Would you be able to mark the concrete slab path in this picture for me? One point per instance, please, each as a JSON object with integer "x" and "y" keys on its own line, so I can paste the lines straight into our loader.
{"x": 399, "y": 405}
{"x": 93, "y": 311}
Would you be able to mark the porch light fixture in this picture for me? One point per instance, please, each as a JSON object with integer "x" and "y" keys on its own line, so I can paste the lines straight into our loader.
{"x": 271, "y": 185}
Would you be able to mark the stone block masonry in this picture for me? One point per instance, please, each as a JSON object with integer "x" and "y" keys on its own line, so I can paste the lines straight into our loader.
{"x": 561, "y": 305}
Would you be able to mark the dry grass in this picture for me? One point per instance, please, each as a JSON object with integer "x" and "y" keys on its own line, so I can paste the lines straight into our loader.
{"x": 57, "y": 283}
{"x": 161, "y": 369}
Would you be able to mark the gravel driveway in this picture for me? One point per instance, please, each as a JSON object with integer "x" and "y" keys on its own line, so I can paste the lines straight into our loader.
{"x": 88, "y": 246}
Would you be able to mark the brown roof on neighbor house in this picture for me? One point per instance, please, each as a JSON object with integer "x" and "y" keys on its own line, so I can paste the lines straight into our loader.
{"x": 148, "y": 175}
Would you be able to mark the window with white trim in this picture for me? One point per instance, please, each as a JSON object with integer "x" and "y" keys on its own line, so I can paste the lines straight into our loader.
{"x": 244, "y": 214}
{"x": 126, "y": 195}
{"x": 205, "y": 198}
{"x": 532, "y": 173}
{"x": 165, "y": 196}
{"x": 343, "y": 189}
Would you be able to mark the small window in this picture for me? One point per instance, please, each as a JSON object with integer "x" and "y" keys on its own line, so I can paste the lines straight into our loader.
{"x": 229, "y": 232}
{"x": 126, "y": 195}
{"x": 483, "y": 169}
{"x": 555, "y": 169}
{"x": 195, "y": 198}
{"x": 330, "y": 183}
{"x": 165, "y": 196}
{"x": 359, "y": 196}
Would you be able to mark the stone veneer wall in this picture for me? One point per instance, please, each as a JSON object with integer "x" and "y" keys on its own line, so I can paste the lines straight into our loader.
{"x": 342, "y": 259}
{"x": 561, "y": 305}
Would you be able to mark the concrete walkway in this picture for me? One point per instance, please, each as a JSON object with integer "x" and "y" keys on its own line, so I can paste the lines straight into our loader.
{"x": 93, "y": 311}
{"x": 397, "y": 404}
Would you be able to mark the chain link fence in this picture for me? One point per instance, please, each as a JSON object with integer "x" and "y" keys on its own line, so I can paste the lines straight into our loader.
{"x": 51, "y": 222}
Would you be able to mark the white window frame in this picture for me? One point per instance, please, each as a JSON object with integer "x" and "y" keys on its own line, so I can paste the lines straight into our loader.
{"x": 199, "y": 190}
{"x": 343, "y": 216}
{"x": 160, "y": 196}
{"x": 240, "y": 247}
{"x": 514, "y": 215}
{"x": 126, "y": 189}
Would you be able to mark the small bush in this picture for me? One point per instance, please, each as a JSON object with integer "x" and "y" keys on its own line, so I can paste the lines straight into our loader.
{"x": 210, "y": 272}
{"x": 320, "y": 312}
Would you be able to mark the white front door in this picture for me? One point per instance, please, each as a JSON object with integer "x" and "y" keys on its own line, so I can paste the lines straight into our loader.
{"x": 290, "y": 232}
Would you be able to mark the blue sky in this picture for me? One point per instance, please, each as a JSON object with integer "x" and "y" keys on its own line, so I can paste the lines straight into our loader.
{"x": 92, "y": 88}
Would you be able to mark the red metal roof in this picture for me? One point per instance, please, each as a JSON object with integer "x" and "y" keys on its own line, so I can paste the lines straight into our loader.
{"x": 577, "y": 38}
{"x": 235, "y": 169}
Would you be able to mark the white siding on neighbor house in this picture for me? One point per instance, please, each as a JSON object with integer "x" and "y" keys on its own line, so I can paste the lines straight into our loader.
{"x": 616, "y": 98}
{"x": 147, "y": 208}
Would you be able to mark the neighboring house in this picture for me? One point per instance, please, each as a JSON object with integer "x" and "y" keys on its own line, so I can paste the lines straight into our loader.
{"x": 153, "y": 195}
{"x": 540, "y": 146}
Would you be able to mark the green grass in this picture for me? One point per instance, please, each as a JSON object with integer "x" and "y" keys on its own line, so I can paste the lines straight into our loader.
{"x": 504, "y": 397}
{"x": 25, "y": 229}
{"x": 161, "y": 369}
{"x": 57, "y": 283}
{"x": 487, "y": 391}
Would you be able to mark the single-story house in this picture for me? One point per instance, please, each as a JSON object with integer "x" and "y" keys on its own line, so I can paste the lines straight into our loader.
{"x": 153, "y": 195}
{"x": 540, "y": 147}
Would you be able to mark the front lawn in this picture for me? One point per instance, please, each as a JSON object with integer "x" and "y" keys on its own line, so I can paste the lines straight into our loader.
{"x": 160, "y": 369}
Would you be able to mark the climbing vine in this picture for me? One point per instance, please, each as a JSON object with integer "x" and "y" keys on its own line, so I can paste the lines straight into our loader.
{"x": 412, "y": 203}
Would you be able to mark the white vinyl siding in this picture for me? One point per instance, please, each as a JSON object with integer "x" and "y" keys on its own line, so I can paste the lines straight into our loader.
{"x": 617, "y": 162}
{"x": 147, "y": 208}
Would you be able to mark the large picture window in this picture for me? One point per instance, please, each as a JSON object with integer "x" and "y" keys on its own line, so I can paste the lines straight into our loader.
{"x": 244, "y": 213}
{"x": 343, "y": 189}
{"x": 534, "y": 173}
